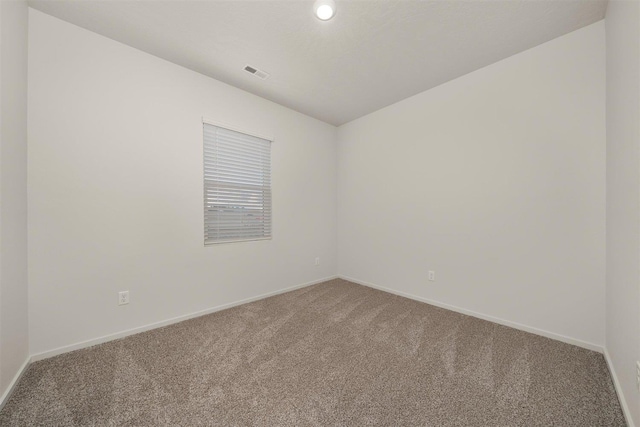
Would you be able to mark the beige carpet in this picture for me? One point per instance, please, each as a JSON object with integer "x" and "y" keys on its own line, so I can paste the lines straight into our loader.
{"x": 333, "y": 354}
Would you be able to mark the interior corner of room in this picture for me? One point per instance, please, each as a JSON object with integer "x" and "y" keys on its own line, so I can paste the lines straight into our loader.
{"x": 510, "y": 193}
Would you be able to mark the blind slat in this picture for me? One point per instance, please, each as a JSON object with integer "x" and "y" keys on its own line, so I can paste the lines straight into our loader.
{"x": 237, "y": 164}
{"x": 223, "y": 173}
{"x": 234, "y": 146}
{"x": 232, "y": 137}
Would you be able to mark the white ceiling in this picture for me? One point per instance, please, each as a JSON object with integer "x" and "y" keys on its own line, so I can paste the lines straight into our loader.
{"x": 370, "y": 55}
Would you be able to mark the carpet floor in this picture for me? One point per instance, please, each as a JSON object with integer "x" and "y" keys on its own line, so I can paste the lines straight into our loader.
{"x": 332, "y": 354}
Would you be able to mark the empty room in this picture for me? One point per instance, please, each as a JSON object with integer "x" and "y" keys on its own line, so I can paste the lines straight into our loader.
{"x": 320, "y": 213}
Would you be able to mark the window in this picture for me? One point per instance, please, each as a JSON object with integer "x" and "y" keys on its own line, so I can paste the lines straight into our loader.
{"x": 237, "y": 186}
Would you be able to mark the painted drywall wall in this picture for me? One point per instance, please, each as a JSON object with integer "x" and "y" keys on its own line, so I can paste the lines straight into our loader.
{"x": 14, "y": 342}
{"x": 115, "y": 190}
{"x": 623, "y": 196}
{"x": 495, "y": 181}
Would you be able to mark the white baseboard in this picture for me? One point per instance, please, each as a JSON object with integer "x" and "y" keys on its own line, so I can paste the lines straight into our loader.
{"x": 12, "y": 385}
{"x": 509, "y": 323}
{"x": 122, "y": 334}
{"x": 616, "y": 384}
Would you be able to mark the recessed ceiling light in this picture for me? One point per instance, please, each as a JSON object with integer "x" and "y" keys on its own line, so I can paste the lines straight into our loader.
{"x": 324, "y": 9}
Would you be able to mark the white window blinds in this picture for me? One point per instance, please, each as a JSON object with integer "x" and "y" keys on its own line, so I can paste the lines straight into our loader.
{"x": 237, "y": 186}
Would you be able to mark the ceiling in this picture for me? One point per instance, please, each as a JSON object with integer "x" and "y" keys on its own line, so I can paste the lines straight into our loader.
{"x": 370, "y": 55}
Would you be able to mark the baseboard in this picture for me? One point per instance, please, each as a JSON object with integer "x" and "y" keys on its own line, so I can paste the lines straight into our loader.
{"x": 12, "y": 385}
{"x": 509, "y": 323}
{"x": 616, "y": 384}
{"x": 122, "y": 334}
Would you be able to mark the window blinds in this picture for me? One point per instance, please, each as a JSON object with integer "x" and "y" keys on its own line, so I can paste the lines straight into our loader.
{"x": 237, "y": 186}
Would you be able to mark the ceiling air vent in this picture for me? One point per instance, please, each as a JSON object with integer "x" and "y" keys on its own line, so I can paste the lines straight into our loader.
{"x": 258, "y": 73}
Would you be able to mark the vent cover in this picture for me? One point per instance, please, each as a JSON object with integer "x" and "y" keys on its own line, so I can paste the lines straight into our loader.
{"x": 258, "y": 73}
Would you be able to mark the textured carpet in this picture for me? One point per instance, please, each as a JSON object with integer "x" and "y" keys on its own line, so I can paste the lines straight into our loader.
{"x": 333, "y": 354}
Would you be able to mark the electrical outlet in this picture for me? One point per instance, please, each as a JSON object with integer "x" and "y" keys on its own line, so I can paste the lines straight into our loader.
{"x": 317, "y": 260}
{"x": 123, "y": 297}
{"x": 432, "y": 276}
{"x": 638, "y": 374}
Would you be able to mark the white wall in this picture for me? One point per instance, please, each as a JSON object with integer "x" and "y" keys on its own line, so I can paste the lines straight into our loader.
{"x": 496, "y": 181}
{"x": 115, "y": 190}
{"x": 14, "y": 342}
{"x": 623, "y": 196}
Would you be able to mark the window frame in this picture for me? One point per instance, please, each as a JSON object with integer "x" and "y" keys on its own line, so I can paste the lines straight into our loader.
{"x": 271, "y": 139}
